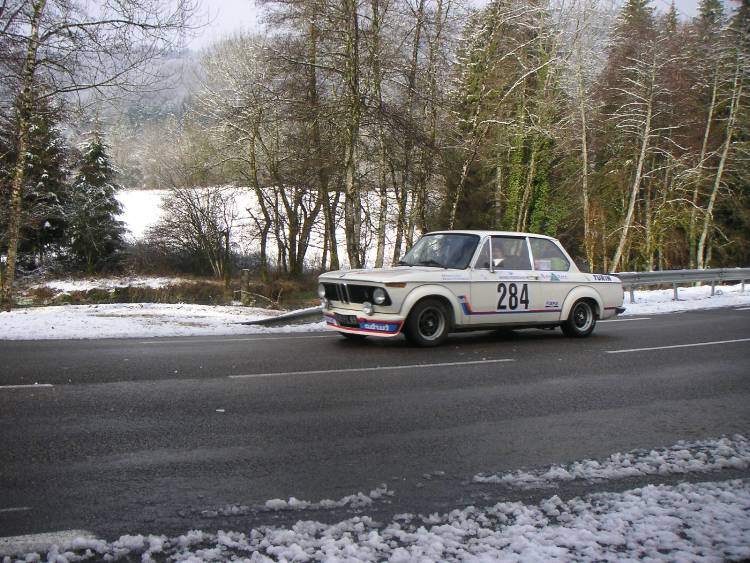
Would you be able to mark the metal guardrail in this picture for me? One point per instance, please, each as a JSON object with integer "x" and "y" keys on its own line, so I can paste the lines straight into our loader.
{"x": 631, "y": 280}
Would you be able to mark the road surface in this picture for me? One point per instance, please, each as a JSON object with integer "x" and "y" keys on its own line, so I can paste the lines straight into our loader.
{"x": 132, "y": 436}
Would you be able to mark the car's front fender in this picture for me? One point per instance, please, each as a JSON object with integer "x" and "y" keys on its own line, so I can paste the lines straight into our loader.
{"x": 431, "y": 290}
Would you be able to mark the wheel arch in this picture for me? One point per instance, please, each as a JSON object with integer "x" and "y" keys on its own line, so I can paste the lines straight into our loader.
{"x": 433, "y": 292}
{"x": 582, "y": 292}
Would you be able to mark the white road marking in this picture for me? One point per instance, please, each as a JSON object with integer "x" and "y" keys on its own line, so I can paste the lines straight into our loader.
{"x": 200, "y": 340}
{"x": 34, "y": 386}
{"x": 21, "y": 545}
{"x": 15, "y": 509}
{"x": 627, "y": 319}
{"x": 679, "y": 346}
{"x": 378, "y": 368}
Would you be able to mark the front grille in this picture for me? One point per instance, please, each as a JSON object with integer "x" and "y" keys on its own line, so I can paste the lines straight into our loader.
{"x": 350, "y": 293}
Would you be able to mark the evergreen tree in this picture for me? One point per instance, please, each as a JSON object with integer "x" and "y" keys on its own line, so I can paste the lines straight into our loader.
{"x": 45, "y": 190}
{"x": 96, "y": 235}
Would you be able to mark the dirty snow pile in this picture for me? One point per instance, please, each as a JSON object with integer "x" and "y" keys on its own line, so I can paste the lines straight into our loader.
{"x": 357, "y": 501}
{"x": 138, "y": 320}
{"x": 683, "y": 457}
{"x": 687, "y": 522}
{"x": 650, "y": 302}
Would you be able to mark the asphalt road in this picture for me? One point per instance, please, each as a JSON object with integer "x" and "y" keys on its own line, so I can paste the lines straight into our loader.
{"x": 157, "y": 435}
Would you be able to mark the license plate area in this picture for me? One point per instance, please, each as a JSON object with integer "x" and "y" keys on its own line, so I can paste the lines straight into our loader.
{"x": 349, "y": 321}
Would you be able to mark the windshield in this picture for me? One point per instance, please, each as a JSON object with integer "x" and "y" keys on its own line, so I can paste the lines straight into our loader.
{"x": 442, "y": 251}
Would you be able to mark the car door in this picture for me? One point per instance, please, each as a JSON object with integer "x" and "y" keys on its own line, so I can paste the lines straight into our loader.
{"x": 552, "y": 268}
{"x": 501, "y": 282}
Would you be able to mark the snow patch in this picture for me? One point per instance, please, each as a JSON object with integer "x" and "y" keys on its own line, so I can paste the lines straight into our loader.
{"x": 651, "y": 302}
{"x": 138, "y": 320}
{"x": 684, "y": 457}
{"x": 687, "y": 522}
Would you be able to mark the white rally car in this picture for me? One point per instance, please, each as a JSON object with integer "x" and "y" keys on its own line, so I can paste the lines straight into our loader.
{"x": 459, "y": 280}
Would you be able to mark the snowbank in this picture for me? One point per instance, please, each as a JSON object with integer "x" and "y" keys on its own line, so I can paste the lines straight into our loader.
{"x": 137, "y": 320}
{"x": 651, "y": 302}
{"x": 683, "y": 457}
{"x": 687, "y": 522}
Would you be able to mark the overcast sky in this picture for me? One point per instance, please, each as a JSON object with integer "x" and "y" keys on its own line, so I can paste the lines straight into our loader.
{"x": 228, "y": 16}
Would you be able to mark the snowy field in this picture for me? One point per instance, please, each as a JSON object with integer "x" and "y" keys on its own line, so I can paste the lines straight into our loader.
{"x": 141, "y": 320}
{"x": 704, "y": 521}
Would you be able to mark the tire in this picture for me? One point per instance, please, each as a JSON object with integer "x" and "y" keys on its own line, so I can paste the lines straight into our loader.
{"x": 581, "y": 321}
{"x": 428, "y": 323}
{"x": 353, "y": 337}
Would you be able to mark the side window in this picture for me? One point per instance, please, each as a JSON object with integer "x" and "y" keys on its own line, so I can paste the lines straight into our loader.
{"x": 510, "y": 253}
{"x": 483, "y": 260}
{"x": 547, "y": 256}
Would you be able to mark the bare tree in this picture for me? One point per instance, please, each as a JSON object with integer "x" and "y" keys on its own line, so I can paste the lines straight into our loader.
{"x": 69, "y": 48}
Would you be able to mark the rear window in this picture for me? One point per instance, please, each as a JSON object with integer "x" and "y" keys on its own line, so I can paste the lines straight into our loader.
{"x": 547, "y": 256}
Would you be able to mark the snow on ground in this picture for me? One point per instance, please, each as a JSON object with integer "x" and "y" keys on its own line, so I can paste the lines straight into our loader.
{"x": 686, "y": 522}
{"x": 137, "y": 320}
{"x": 86, "y": 284}
{"x": 683, "y": 457}
{"x": 141, "y": 209}
{"x": 650, "y": 302}
{"x": 357, "y": 501}
{"x": 141, "y": 320}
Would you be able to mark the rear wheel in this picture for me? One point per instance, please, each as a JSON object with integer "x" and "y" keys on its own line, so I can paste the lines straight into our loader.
{"x": 581, "y": 321}
{"x": 428, "y": 323}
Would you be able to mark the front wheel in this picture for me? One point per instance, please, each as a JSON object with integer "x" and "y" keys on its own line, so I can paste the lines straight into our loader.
{"x": 581, "y": 321}
{"x": 428, "y": 323}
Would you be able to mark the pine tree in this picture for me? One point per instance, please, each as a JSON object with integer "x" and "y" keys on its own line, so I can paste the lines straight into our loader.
{"x": 45, "y": 189}
{"x": 46, "y": 192}
{"x": 96, "y": 234}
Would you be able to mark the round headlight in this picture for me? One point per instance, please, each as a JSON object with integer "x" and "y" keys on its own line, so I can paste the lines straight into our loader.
{"x": 367, "y": 308}
{"x": 321, "y": 290}
{"x": 379, "y": 296}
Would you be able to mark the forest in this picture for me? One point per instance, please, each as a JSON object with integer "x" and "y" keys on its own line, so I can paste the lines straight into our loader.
{"x": 356, "y": 125}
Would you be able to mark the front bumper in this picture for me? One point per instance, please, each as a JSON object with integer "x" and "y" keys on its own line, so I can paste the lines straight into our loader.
{"x": 344, "y": 320}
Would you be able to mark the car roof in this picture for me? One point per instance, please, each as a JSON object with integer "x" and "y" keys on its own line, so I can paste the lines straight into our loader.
{"x": 483, "y": 233}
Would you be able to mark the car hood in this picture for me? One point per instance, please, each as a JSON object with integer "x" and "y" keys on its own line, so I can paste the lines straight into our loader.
{"x": 397, "y": 274}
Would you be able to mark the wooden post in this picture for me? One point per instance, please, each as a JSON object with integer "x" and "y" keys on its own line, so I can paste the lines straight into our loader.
{"x": 244, "y": 286}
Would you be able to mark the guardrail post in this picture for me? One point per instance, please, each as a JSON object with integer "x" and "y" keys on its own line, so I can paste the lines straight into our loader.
{"x": 632, "y": 294}
{"x": 742, "y": 287}
{"x": 713, "y": 287}
{"x": 676, "y": 297}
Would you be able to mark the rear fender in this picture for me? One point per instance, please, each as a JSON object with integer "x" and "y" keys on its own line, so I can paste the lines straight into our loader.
{"x": 581, "y": 292}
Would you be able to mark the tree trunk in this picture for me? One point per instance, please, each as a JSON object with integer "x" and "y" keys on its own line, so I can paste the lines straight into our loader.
{"x": 628, "y": 221}
{"x": 693, "y": 226}
{"x": 353, "y": 203}
{"x": 19, "y": 173}
{"x": 737, "y": 88}
{"x": 378, "y": 96}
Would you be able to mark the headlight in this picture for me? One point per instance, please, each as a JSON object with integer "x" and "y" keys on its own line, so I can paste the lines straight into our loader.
{"x": 321, "y": 291}
{"x": 379, "y": 296}
{"x": 367, "y": 307}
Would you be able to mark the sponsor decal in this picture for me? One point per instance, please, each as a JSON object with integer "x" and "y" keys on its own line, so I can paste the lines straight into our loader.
{"x": 380, "y": 327}
{"x": 454, "y": 277}
{"x": 601, "y": 277}
{"x": 551, "y": 304}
